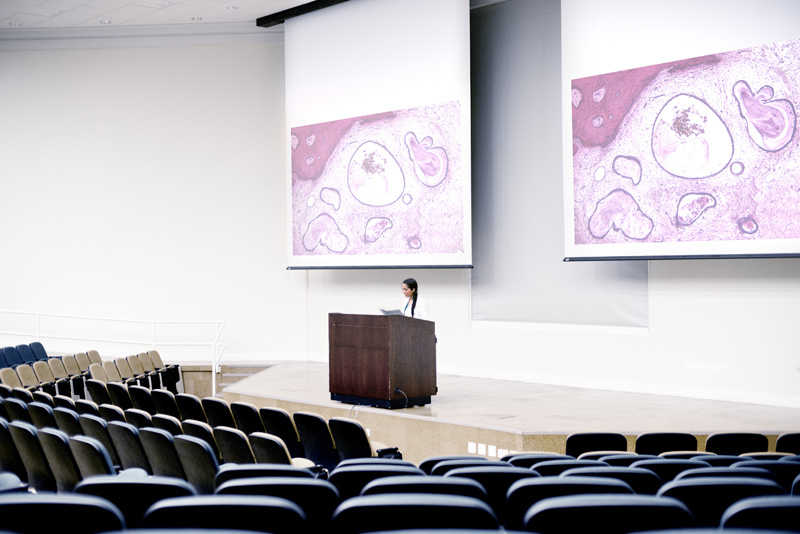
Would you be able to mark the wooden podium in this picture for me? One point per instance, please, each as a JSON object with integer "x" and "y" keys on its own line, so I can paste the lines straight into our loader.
{"x": 387, "y": 361}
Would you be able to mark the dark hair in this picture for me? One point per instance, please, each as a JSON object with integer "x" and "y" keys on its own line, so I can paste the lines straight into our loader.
{"x": 412, "y": 285}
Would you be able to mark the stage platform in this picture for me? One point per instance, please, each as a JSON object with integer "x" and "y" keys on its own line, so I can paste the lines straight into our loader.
{"x": 494, "y": 417}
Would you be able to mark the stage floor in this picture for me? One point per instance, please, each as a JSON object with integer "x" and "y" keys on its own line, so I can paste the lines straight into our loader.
{"x": 482, "y": 416}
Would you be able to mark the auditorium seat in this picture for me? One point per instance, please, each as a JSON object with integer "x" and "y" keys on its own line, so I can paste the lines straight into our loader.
{"x": 203, "y": 431}
{"x": 67, "y": 420}
{"x": 685, "y": 455}
{"x": 48, "y": 382}
{"x": 159, "y": 447}
{"x": 46, "y": 398}
{"x": 91, "y": 457}
{"x": 41, "y": 415}
{"x": 271, "y": 449}
{"x": 5, "y": 391}
{"x": 39, "y": 475}
{"x": 170, "y": 374}
{"x": 317, "y": 441}
{"x": 112, "y": 373}
{"x": 86, "y": 406}
{"x": 626, "y": 459}
{"x": 190, "y": 407}
{"x": 668, "y": 469}
{"x": 34, "y": 513}
{"x": 736, "y": 443}
{"x": 24, "y": 394}
{"x": 147, "y": 378}
{"x": 351, "y": 479}
{"x": 556, "y": 467}
{"x": 125, "y": 438}
{"x": 62, "y": 401}
{"x": 317, "y": 498}
{"x": 442, "y": 467}
{"x": 96, "y": 427}
{"x": 608, "y": 513}
{"x": 218, "y": 412}
{"x": 39, "y": 352}
{"x": 71, "y": 365}
{"x": 427, "y": 484}
{"x": 532, "y": 458}
{"x": 143, "y": 362}
{"x": 658, "y": 442}
{"x": 138, "y": 418}
{"x": 709, "y": 497}
{"x": 278, "y": 422}
{"x": 765, "y": 455}
{"x": 58, "y": 454}
{"x": 788, "y": 442}
{"x": 112, "y": 412}
{"x": 234, "y": 447}
{"x": 352, "y": 441}
{"x": 94, "y": 356}
{"x": 731, "y": 471}
{"x": 60, "y": 371}
{"x": 642, "y": 481}
{"x": 376, "y": 461}
{"x": 119, "y": 395}
{"x": 199, "y": 462}
{"x": 126, "y": 373}
{"x": 239, "y": 512}
{"x": 387, "y": 512}
{"x": 247, "y": 418}
{"x": 526, "y": 492}
{"x": 581, "y": 442}
{"x": 29, "y": 380}
{"x": 134, "y": 495}
{"x": 96, "y": 384}
{"x": 786, "y": 472}
{"x": 27, "y": 355}
{"x": 142, "y": 399}
{"x": 12, "y": 356}
{"x": 169, "y": 423}
{"x": 233, "y": 472}
{"x": 721, "y": 460}
{"x": 780, "y": 512}
{"x": 165, "y": 403}
{"x": 496, "y": 481}
{"x": 83, "y": 361}
{"x": 10, "y": 459}
{"x": 17, "y": 410}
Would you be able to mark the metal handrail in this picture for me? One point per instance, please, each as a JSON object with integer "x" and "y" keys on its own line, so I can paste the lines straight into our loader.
{"x": 217, "y": 347}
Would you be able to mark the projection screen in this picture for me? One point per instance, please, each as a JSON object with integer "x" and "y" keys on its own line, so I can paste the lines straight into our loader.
{"x": 378, "y": 120}
{"x": 680, "y": 129}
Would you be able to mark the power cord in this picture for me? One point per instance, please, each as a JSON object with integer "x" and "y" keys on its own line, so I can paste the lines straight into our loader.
{"x": 398, "y": 390}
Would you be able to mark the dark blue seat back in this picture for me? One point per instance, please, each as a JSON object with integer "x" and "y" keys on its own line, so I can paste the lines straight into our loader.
{"x": 26, "y": 353}
{"x": 38, "y": 351}
{"x": 12, "y": 356}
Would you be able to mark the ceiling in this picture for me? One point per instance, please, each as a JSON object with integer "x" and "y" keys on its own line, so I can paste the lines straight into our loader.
{"x": 85, "y": 14}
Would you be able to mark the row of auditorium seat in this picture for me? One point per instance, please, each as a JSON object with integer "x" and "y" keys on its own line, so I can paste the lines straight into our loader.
{"x": 552, "y": 495}
{"x": 25, "y": 369}
{"x": 351, "y": 478}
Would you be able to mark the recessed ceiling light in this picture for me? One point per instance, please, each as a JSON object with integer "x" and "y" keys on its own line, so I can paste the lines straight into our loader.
{"x": 15, "y": 24}
{"x": 197, "y": 19}
{"x": 231, "y": 7}
{"x": 105, "y": 22}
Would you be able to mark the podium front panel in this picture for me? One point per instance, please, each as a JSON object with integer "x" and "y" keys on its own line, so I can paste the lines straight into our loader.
{"x": 381, "y": 360}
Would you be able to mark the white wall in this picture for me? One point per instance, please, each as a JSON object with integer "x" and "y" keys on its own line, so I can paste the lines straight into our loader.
{"x": 146, "y": 183}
